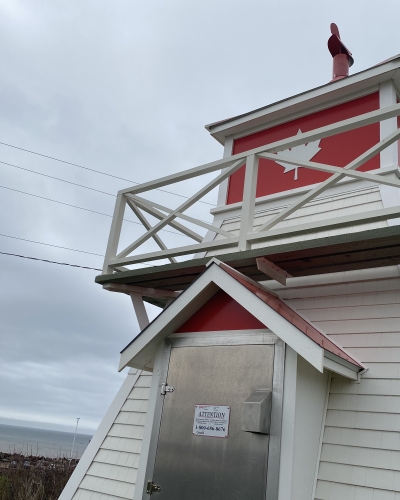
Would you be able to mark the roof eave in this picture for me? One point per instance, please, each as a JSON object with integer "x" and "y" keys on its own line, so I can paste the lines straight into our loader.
{"x": 304, "y": 101}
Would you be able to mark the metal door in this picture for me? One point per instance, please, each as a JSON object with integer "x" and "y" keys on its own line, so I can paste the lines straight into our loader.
{"x": 196, "y": 467}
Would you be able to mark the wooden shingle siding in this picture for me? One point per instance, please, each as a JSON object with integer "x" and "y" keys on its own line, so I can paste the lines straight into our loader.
{"x": 360, "y": 456}
{"x": 112, "y": 473}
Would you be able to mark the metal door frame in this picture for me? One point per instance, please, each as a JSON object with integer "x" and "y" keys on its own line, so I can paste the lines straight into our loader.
{"x": 206, "y": 339}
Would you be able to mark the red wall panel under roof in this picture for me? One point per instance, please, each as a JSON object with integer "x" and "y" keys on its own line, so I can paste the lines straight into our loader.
{"x": 221, "y": 312}
{"x": 336, "y": 150}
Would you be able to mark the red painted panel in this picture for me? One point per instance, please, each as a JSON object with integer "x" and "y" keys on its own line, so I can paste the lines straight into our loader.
{"x": 221, "y": 312}
{"x": 337, "y": 150}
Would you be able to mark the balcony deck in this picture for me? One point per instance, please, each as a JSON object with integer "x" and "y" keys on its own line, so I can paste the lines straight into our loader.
{"x": 345, "y": 252}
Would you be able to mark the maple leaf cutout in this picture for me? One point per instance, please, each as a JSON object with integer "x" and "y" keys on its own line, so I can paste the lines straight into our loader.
{"x": 302, "y": 152}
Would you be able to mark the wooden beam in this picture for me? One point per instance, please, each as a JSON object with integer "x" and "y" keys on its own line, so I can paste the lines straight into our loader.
{"x": 272, "y": 270}
{"x": 144, "y": 291}
{"x": 140, "y": 310}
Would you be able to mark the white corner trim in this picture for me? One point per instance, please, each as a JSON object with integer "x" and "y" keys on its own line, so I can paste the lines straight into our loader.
{"x": 321, "y": 435}
{"x": 223, "y": 187}
{"x": 99, "y": 436}
{"x": 335, "y": 367}
{"x": 148, "y": 427}
{"x": 389, "y": 157}
{"x": 388, "y": 97}
{"x": 288, "y": 425}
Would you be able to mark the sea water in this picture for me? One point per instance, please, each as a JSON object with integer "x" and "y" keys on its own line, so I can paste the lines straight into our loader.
{"x": 41, "y": 442}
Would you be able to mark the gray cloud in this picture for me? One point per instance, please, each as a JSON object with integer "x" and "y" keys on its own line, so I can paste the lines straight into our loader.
{"x": 126, "y": 88}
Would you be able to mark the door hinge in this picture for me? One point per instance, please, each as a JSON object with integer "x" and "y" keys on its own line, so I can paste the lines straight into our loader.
{"x": 166, "y": 388}
{"x": 152, "y": 488}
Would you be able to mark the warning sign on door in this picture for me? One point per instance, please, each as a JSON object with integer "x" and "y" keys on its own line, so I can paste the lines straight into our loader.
{"x": 211, "y": 421}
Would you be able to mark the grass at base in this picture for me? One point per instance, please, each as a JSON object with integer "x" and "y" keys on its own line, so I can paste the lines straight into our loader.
{"x": 44, "y": 479}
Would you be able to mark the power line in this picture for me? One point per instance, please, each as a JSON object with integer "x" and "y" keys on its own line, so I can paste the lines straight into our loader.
{"x": 56, "y": 178}
{"x": 73, "y": 183}
{"x": 50, "y": 261}
{"x": 76, "y": 206}
{"x": 50, "y": 245}
{"x": 57, "y": 246}
{"x": 94, "y": 170}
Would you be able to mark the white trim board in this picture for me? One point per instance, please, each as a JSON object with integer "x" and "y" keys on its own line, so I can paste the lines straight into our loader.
{"x": 99, "y": 436}
{"x": 288, "y": 425}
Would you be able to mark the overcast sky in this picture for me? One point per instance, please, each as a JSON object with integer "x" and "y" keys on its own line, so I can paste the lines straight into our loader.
{"x": 126, "y": 87}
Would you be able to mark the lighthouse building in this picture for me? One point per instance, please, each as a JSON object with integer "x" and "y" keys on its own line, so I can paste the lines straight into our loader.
{"x": 273, "y": 369}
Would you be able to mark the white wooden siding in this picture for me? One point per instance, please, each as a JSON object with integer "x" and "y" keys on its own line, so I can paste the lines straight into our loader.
{"x": 337, "y": 205}
{"x": 112, "y": 474}
{"x": 360, "y": 456}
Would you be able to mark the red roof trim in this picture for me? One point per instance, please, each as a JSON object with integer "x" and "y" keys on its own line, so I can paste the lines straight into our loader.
{"x": 276, "y": 303}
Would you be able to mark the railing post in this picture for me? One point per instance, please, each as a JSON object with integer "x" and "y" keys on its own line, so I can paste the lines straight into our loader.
{"x": 115, "y": 232}
{"x": 249, "y": 198}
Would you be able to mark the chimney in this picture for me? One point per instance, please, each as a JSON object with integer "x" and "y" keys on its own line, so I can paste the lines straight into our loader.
{"x": 342, "y": 58}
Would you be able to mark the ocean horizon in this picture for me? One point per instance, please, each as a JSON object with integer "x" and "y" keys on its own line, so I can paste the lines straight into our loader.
{"x": 41, "y": 442}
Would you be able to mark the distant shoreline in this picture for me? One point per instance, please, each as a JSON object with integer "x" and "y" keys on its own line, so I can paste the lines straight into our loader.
{"x": 28, "y": 441}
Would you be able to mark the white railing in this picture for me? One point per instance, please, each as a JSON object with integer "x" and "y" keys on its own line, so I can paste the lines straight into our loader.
{"x": 169, "y": 217}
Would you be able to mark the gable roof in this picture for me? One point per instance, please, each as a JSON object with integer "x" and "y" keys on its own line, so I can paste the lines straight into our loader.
{"x": 260, "y": 302}
{"x": 290, "y": 314}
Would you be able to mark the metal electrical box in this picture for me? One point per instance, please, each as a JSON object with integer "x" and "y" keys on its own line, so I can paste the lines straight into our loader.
{"x": 203, "y": 451}
{"x": 257, "y": 412}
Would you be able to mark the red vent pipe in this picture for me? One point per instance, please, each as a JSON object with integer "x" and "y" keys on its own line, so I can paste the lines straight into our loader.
{"x": 342, "y": 58}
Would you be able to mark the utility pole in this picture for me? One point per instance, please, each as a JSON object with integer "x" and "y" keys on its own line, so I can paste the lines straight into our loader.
{"x": 73, "y": 442}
